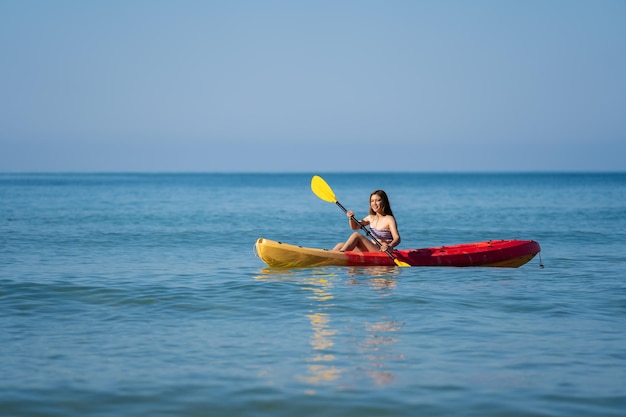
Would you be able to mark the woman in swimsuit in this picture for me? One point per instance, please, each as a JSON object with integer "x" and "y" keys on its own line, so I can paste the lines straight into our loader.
{"x": 382, "y": 226}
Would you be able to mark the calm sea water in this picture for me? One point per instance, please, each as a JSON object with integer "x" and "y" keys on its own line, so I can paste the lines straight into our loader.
{"x": 140, "y": 295}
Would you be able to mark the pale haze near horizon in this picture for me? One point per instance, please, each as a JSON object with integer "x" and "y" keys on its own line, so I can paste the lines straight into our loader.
{"x": 278, "y": 86}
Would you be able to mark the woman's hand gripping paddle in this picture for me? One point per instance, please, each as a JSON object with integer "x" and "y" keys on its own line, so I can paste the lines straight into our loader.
{"x": 323, "y": 191}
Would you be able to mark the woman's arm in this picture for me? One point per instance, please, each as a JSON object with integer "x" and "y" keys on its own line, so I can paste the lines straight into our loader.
{"x": 393, "y": 228}
{"x": 354, "y": 225}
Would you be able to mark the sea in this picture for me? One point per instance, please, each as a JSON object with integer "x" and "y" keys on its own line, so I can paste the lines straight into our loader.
{"x": 140, "y": 294}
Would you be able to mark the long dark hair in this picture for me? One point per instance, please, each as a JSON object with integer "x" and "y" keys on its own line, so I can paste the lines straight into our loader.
{"x": 386, "y": 205}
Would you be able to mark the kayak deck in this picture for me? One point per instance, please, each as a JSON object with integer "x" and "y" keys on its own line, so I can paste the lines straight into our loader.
{"x": 491, "y": 253}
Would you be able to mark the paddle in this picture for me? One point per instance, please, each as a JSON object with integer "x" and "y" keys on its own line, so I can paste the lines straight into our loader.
{"x": 323, "y": 191}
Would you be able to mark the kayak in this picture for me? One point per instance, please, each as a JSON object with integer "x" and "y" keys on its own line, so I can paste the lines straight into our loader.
{"x": 491, "y": 253}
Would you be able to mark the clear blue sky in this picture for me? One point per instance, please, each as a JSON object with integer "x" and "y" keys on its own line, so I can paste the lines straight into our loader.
{"x": 315, "y": 86}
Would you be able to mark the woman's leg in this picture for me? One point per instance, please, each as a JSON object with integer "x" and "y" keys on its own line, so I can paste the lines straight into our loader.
{"x": 357, "y": 241}
{"x": 349, "y": 244}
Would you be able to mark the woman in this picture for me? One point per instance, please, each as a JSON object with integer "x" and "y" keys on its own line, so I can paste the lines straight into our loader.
{"x": 382, "y": 226}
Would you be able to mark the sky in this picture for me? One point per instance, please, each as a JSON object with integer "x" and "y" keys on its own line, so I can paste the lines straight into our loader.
{"x": 312, "y": 86}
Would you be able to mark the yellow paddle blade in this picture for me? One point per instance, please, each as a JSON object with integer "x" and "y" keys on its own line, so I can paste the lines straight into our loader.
{"x": 322, "y": 189}
{"x": 400, "y": 263}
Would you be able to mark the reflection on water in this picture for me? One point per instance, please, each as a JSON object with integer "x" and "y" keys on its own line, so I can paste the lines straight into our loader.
{"x": 339, "y": 350}
{"x": 275, "y": 273}
{"x": 378, "y": 277}
{"x": 377, "y": 348}
{"x": 378, "y": 345}
{"x": 374, "y": 271}
{"x": 321, "y": 365}
{"x": 367, "y": 272}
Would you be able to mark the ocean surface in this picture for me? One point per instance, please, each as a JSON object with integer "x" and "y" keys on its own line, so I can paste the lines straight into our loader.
{"x": 141, "y": 295}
